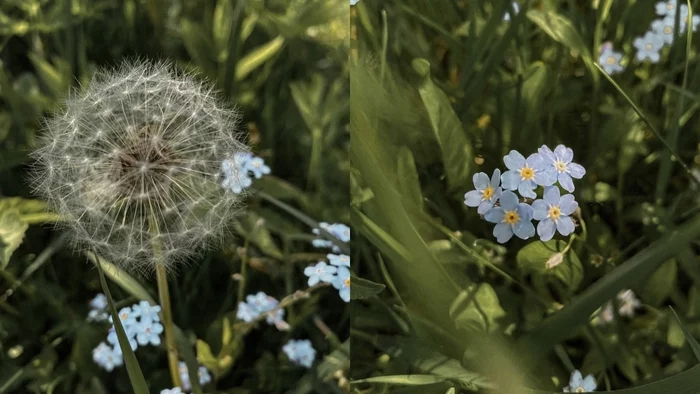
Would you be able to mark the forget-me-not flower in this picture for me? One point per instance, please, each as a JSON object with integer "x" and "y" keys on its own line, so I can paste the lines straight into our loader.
{"x": 338, "y": 230}
{"x": 342, "y": 283}
{"x": 174, "y": 390}
{"x": 300, "y": 352}
{"x": 146, "y": 312}
{"x": 114, "y": 340}
{"x": 487, "y": 191}
{"x": 666, "y": 8}
{"x": 257, "y": 166}
{"x": 126, "y": 317}
{"x": 577, "y": 384}
{"x": 511, "y": 217}
{"x": 524, "y": 175}
{"x": 148, "y": 332}
{"x": 559, "y": 163}
{"x": 99, "y": 302}
{"x": 610, "y": 60}
{"x": 516, "y": 9}
{"x": 553, "y": 213}
{"x": 236, "y": 178}
{"x": 258, "y": 304}
{"x": 202, "y": 373}
{"x": 353, "y": 2}
{"x": 105, "y": 356}
{"x": 321, "y": 272}
{"x": 648, "y": 46}
{"x": 339, "y": 260}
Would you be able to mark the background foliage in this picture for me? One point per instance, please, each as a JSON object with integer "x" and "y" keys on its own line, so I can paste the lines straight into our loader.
{"x": 284, "y": 64}
{"x": 443, "y": 89}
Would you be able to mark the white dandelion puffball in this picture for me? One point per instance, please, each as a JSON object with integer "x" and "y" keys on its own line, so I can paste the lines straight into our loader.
{"x": 133, "y": 165}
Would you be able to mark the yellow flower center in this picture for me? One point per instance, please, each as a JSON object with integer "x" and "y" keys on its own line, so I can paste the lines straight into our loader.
{"x": 554, "y": 212}
{"x": 124, "y": 316}
{"x": 580, "y": 390}
{"x": 670, "y": 6}
{"x": 526, "y": 173}
{"x": 487, "y": 193}
{"x": 668, "y": 30}
{"x": 511, "y": 217}
{"x": 649, "y": 47}
{"x": 347, "y": 282}
{"x": 611, "y": 60}
{"x": 560, "y": 166}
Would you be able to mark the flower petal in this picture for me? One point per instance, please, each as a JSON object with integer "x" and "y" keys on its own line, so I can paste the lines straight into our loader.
{"x": 589, "y": 383}
{"x": 547, "y": 154}
{"x": 496, "y": 178}
{"x": 567, "y": 204}
{"x": 472, "y": 198}
{"x": 551, "y": 195}
{"x": 576, "y": 379}
{"x": 481, "y": 180}
{"x": 565, "y": 225}
{"x": 514, "y": 160}
{"x": 524, "y": 229}
{"x": 576, "y": 170}
{"x": 495, "y": 215}
{"x": 503, "y": 232}
{"x": 564, "y": 153}
{"x": 566, "y": 182}
{"x": 545, "y": 229}
{"x": 510, "y": 180}
{"x": 485, "y": 206}
{"x": 535, "y": 161}
{"x": 546, "y": 176}
{"x": 539, "y": 209}
{"x": 509, "y": 200}
{"x": 525, "y": 189}
{"x": 525, "y": 212}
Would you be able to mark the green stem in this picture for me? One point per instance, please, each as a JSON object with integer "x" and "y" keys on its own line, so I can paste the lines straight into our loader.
{"x": 244, "y": 271}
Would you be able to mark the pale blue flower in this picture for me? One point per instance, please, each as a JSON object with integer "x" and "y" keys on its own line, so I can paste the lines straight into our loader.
{"x": 114, "y": 340}
{"x": 174, "y": 390}
{"x": 148, "y": 332}
{"x": 338, "y": 230}
{"x": 258, "y": 304}
{"x": 648, "y": 46}
{"x": 559, "y": 164}
{"x": 553, "y": 213}
{"x": 487, "y": 191}
{"x": 666, "y": 8}
{"x": 353, "y": 2}
{"x": 609, "y": 60}
{"x": 524, "y": 175}
{"x": 664, "y": 29}
{"x": 235, "y": 178}
{"x": 339, "y": 260}
{"x": 511, "y": 218}
{"x": 99, "y": 302}
{"x": 126, "y": 316}
{"x": 146, "y": 312}
{"x": 342, "y": 283}
{"x": 246, "y": 312}
{"x": 577, "y": 384}
{"x": 516, "y": 8}
{"x": 105, "y": 356}
{"x": 300, "y": 352}
{"x": 202, "y": 373}
{"x": 95, "y": 315}
{"x": 257, "y": 166}
{"x": 321, "y": 272}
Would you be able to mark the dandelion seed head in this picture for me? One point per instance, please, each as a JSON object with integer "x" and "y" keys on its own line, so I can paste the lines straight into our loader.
{"x": 134, "y": 158}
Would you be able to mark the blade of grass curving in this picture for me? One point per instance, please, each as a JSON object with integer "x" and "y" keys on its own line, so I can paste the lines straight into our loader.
{"x": 258, "y": 57}
{"x": 648, "y": 123}
{"x": 121, "y": 278}
{"x": 138, "y": 382}
{"x": 185, "y": 348}
{"x": 559, "y": 325}
{"x": 694, "y": 345}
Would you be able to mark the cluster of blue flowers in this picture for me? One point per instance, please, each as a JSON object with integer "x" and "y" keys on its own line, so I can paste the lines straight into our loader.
{"x": 202, "y": 373}
{"x": 495, "y": 200}
{"x": 300, "y": 352}
{"x": 240, "y": 170}
{"x": 337, "y": 274}
{"x": 579, "y": 384}
{"x": 661, "y": 33}
{"x": 142, "y": 326}
{"x": 98, "y": 309}
{"x": 339, "y": 230}
{"x": 258, "y": 304}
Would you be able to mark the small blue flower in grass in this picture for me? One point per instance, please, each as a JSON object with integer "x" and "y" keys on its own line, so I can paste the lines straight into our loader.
{"x": 511, "y": 217}
{"x": 235, "y": 178}
{"x": 648, "y": 46}
{"x": 146, "y": 312}
{"x": 487, "y": 191}
{"x": 246, "y": 312}
{"x": 609, "y": 60}
{"x": 148, "y": 332}
{"x": 257, "y": 166}
{"x": 202, "y": 373}
{"x": 321, "y": 272}
{"x": 342, "y": 283}
{"x": 261, "y": 303}
{"x": 553, "y": 213}
{"x": 126, "y": 316}
{"x": 99, "y": 302}
{"x": 105, "y": 356}
{"x": 300, "y": 352}
{"x": 664, "y": 29}
{"x": 339, "y": 260}
{"x": 666, "y": 8}
{"x": 525, "y": 174}
{"x": 174, "y": 390}
{"x": 114, "y": 340}
{"x": 577, "y": 384}
{"x": 559, "y": 164}
{"x": 338, "y": 230}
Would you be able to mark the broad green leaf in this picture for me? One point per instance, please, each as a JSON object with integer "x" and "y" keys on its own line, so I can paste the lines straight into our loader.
{"x": 477, "y": 308}
{"x": 694, "y": 345}
{"x": 534, "y": 256}
{"x": 660, "y": 284}
{"x": 408, "y": 178}
{"x": 457, "y": 152}
{"x": 363, "y": 288}
{"x": 206, "y": 357}
{"x": 258, "y": 57}
{"x": 12, "y": 229}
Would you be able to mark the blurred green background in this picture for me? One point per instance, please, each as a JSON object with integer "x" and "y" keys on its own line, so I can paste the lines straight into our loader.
{"x": 444, "y": 89}
{"x": 284, "y": 64}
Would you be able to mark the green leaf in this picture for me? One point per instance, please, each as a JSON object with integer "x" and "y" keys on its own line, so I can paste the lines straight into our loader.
{"x": 258, "y": 57}
{"x": 694, "y": 345}
{"x": 363, "y": 288}
{"x": 252, "y": 227}
{"x": 457, "y": 153}
{"x": 534, "y": 256}
{"x": 410, "y": 380}
{"x": 121, "y": 278}
{"x": 477, "y": 308}
{"x": 660, "y": 284}
{"x": 408, "y": 178}
{"x": 12, "y": 229}
{"x": 199, "y": 46}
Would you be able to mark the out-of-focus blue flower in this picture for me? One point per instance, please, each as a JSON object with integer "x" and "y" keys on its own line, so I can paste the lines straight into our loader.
{"x": 237, "y": 171}
{"x": 246, "y": 312}
{"x": 511, "y": 218}
{"x": 666, "y": 8}
{"x": 353, "y": 2}
{"x": 146, "y": 312}
{"x": 559, "y": 163}
{"x": 610, "y": 60}
{"x": 553, "y": 213}
{"x": 338, "y": 230}
{"x": 516, "y": 8}
{"x": 258, "y": 304}
{"x": 342, "y": 283}
{"x": 300, "y": 352}
{"x": 202, "y": 373}
{"x": 105, "y": 356}
{"x": 174, "y": 390}
{"x": 96, "y": 315}
{"x": 648, "y": 46}
{"x": 126, "y": 316}
{"x": 148, "y": 332}
{"x": 339, "y": 260}
{"x": 577, "y": 384}
{"x": 114, "y": 340}
{"x": 321, "y": 272}
{"x": 524, "y": 175}
{"x": 99, "y": 302}
{"x": 664, "y": 29}
{"x": 487, "y": 191}
{"x": 257, "y": 166}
